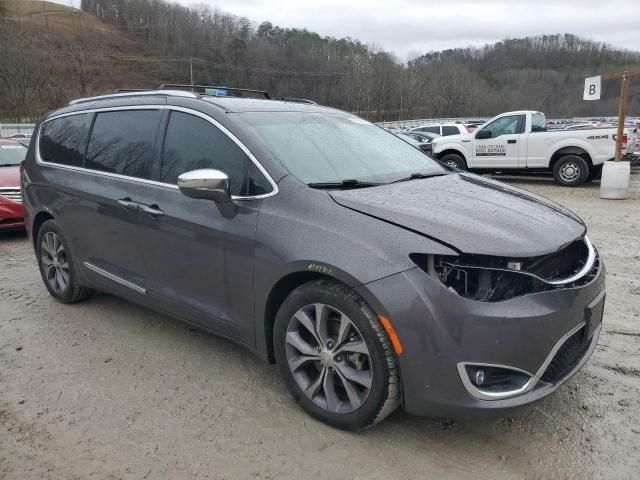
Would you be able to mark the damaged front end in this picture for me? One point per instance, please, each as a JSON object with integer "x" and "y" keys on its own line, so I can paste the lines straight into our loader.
{"x": 486, "y": 278}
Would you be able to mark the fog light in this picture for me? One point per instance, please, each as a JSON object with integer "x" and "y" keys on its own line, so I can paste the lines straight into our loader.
{"x": 493, "y": 381}
{"x": 478, "y": 377}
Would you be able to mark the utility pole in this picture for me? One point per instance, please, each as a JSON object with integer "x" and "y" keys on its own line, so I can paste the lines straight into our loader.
{"x": 191, "y": 72}
{"x": 614, "y": 182}
{"x": 622, "y": 108}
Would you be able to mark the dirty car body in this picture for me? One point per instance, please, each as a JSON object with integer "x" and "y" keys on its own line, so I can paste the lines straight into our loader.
{"x": 495, "y": 294}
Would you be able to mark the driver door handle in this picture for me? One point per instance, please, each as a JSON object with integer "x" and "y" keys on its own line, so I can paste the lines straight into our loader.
{"x": 152, "y": 210}
{"x": 511, "y": 141}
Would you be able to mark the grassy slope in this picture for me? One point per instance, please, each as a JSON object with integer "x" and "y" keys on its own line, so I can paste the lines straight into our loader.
{"x": 55, "y": 28}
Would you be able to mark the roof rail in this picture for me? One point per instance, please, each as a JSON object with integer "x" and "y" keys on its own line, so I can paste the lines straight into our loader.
{"x": 211, "y": 90}
{"x": 297, "y": 100}
{"x": 135, "y": 93}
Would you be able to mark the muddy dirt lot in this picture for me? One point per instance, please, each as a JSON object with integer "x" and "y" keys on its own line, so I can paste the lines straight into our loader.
{"x": 107, "y": 390}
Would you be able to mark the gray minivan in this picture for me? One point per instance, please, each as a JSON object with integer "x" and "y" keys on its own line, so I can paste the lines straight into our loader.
{"x": 371, "y": 274}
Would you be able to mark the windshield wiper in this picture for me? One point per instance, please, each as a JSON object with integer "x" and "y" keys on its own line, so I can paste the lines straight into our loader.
{"x": 418, "y": 175}
{"x": 343, "y": 184}
{"x": 9, "y": 164}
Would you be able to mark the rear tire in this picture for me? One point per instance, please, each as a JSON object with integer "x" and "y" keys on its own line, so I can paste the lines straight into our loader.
{"x": 454, "y": 160}
{"x": 335, "y": 357}
{"x": 56, "y": 265}
{"x": 595, "y": 173}
{"x": 571, "y": 171}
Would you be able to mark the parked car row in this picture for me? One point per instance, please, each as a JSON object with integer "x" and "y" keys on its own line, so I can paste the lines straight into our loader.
{"x": 22, "y": 138}
{"x": 420, "y": 140}
{"x": 444, "y": 129}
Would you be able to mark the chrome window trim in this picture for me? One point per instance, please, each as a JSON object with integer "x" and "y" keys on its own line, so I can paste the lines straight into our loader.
{"x": 479, "y": 394}
{"x": 190, "y": 111}
{"x": 115, "y": 278}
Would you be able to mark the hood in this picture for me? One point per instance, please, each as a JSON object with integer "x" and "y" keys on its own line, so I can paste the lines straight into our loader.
{"x": 470, "y": 214}
{"x": 10, "y": 177}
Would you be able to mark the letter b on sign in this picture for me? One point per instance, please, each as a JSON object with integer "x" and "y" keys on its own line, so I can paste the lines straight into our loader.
{"x": 591, "y": 88}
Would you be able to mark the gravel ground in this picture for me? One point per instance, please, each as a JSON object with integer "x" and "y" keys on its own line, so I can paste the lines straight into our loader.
{"x": 105, "y": 389}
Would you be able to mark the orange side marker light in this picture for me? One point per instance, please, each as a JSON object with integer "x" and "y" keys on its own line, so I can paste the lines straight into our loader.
{"x": 393, "y": 336}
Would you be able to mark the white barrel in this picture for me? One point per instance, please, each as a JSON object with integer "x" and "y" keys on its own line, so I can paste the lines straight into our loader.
{"x": 615, "y": 180}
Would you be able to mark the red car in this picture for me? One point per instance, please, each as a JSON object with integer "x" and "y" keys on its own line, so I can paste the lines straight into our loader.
{"x": 11, "y": 211}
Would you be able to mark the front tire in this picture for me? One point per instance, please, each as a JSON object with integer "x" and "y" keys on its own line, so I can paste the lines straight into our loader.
{"x": 56, "y": 265}
{"x": 454, "y": 160}
{"x": 335, "y": 357}
{"x": 571, "y": 171}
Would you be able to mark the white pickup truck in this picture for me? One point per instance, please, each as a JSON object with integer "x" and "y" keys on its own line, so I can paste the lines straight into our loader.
{"x": 520, "y": 142}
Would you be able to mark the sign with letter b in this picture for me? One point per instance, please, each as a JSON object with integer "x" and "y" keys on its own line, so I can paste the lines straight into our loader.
{"x": 591, "y": 88}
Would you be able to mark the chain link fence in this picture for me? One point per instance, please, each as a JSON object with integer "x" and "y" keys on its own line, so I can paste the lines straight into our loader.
{"x": 8, "y": 129}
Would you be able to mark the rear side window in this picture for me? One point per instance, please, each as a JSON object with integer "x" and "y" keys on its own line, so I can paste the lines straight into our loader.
{"x": 192, "y": 143}
{"x": 434, "y": 129}
{"x": 63, "y": 140}
{"x": 450, "y": 130}
{"x": 122, "y": 142}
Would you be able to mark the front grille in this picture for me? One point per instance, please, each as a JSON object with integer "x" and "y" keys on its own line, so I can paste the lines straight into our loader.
{"x": 12, "y": 194}
{"x": 567, "y": 357}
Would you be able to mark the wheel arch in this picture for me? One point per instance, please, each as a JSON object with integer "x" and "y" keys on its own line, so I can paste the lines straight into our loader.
{"x": 571, "y": 150}
{"x": 449, "y": 150}
{"x": 38, "y": 220}
{"x": 294, "y": 279}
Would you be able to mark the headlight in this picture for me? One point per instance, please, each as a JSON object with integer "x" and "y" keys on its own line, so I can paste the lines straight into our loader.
{"x": 482, "y": 283}
{"x": 492, "y": 279}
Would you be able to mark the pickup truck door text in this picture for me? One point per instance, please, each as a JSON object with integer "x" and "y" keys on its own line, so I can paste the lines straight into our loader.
{"x": 504, "y": 147}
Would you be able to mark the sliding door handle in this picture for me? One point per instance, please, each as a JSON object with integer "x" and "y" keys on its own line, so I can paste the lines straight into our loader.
{"x": 152, "y": 211}
{"x": 128, "y": 203}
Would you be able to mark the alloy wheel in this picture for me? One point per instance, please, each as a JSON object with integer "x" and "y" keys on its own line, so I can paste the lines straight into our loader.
{"x": 54, "y": 262}
{"x": 328, "y": 358}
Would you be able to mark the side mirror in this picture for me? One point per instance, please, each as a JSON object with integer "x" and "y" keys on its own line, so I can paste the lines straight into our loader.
{"x": 483, "y": 134}
{"x": 209, "y": 184}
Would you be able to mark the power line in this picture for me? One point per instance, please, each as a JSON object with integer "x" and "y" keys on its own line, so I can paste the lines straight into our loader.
{"x": 195, "y": 60}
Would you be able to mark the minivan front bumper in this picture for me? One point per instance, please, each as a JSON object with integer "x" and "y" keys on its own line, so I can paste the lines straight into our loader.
{"x": 442, "y": 332}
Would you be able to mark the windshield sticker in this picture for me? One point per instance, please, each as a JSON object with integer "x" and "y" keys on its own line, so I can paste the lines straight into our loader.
{"x": 491, "y": 150}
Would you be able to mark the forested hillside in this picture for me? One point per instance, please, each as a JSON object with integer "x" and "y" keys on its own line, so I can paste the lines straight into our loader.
{"x": 50, "y": 54}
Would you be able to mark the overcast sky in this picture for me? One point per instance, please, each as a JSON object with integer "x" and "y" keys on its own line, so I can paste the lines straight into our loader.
{"x": 407, "y": 27}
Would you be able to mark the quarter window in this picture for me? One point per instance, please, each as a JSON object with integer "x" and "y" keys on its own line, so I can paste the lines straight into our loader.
{"x": 450, "y": 130}
{"x": 122, "y": 142}
{"x": 63, "y": 140}
{"x": 192, "y": 143}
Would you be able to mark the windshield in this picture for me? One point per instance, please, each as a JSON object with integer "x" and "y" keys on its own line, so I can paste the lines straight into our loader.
{"x": 330, "y": 147}
{"x": 12, "y": 155}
